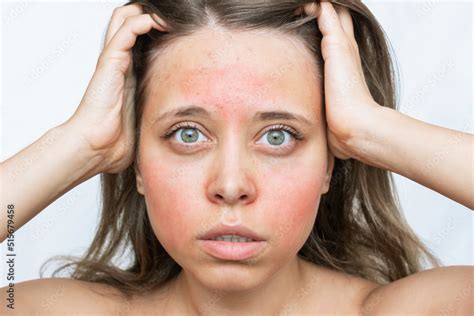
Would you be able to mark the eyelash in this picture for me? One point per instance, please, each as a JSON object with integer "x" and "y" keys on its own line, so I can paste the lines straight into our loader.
{"x": 294, "y": 133}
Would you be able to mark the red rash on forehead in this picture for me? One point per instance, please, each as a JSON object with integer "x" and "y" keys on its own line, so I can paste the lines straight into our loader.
{"x": 233, "y": 86}
{"x": 252, "y": 73}
{"x": 235, "y": 74}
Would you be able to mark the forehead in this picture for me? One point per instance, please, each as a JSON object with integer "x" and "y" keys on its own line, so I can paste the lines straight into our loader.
{"x": 234, "y": 71}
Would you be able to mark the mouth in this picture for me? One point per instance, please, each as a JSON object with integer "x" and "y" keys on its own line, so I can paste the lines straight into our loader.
{"x": 231, "y": 234}
{"x": 232, "y": 238}
{"x": 231, "y": 247}
{"x": 231, "y": 242}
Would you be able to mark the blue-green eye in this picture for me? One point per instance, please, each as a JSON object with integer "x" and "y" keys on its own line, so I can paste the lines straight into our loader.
{"x": 189, "y": 133}
{"x": 276, "y": 135}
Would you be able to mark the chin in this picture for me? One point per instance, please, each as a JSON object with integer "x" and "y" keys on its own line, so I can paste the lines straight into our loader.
{"x": 231, "y": 276}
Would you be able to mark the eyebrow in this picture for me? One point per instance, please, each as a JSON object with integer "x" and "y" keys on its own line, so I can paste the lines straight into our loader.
{"x": 193, "y": 110}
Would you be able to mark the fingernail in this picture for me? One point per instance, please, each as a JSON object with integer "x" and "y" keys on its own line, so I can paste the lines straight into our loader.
{"x": 312, "y": 9}
{"x": 298, "y": 11}
{"x": 162, "y": 25}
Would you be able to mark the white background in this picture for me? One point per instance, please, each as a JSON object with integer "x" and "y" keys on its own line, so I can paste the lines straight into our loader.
{"x": 49, "y": 52}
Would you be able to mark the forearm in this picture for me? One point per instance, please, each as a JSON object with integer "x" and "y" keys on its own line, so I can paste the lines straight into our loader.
{"x": 436, "y": 157}
{"x": 42, "y": 172}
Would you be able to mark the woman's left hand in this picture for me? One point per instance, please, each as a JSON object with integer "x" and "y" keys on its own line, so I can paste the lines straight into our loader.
{"x": 349, "y": 104}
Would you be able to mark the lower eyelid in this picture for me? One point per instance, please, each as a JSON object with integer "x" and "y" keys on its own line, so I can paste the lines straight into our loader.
{"x": 169, "y": 135}
{"x": 284, "y": 131}
{"x": 176, "y": 132}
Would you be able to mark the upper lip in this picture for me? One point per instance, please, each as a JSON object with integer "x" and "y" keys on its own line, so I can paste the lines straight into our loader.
{"x": 222, "y": 229}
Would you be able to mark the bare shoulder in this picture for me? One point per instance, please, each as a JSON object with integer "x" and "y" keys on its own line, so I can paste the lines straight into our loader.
{"x": 337, "y": 293}
{"x": 59, "y": 296}
{"x": 445, "y": 290}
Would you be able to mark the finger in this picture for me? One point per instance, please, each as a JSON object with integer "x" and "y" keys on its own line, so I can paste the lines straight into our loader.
{"x": 126, "y": 36}
{"x": 328, "y": 19}
{"x": 346, "y": 21}
{"x": 162, "y": 25}
{"x": 339, "y": 15}
{"x": 121, "y": 13}
{"x": 347, "y": 25}
{"x": 312, "y": 9}
{"x": 308, "y": 8}
{"x": 128, "y": 110}
{"x": 118, "y": 16}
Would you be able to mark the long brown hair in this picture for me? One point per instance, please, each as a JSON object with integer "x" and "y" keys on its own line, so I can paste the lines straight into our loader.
{"x": 359, "y": 229}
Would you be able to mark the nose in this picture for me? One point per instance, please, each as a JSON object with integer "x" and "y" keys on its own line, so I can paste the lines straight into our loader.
{"x": 231, "y": 181}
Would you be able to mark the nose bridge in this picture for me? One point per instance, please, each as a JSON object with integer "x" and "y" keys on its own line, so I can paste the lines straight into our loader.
{"x": 232, "y": 181}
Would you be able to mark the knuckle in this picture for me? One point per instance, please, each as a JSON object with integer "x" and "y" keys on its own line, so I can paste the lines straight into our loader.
{"x": 99, "y": 63}
{"x": 123, "y": 12}
{"x": 100, "y": 60}
{"x": 117, "y": 12}
{"x": 356, "y": 46}
{"x": 345, "y": 44}
{"x": 128, "y": 20}
{"x": 333, "y": 42}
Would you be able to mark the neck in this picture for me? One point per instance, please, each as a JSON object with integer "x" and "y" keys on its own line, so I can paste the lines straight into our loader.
{"x": 272, "y": 296}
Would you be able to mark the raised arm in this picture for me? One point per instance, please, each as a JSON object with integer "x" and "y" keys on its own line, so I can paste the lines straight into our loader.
{"x": 436, "y": 157}
{"x": 42, "y": 172}
{"x": 99, "y": 137}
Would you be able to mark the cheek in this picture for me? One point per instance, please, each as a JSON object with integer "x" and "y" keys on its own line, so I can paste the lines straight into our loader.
{"x": 176, "y": 198}
{"x": 292, "y": 202}
{"x": 171, "y": 195}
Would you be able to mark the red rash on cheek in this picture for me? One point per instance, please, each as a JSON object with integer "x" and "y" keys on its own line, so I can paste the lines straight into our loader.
{"x": 171, "y": 194}
{"x": 285, "y": 208}
{"x": 175, "y": 188}
{"x": 293, "y": 199}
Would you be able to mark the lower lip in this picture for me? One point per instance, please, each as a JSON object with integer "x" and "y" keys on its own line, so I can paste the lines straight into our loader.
{"x": 228, "y": 250}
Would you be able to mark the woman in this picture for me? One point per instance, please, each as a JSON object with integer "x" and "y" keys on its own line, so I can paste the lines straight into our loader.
{"x": 322, "y": 235}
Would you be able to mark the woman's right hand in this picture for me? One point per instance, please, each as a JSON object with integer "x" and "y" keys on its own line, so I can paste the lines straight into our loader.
{"x": 104, "y": 119}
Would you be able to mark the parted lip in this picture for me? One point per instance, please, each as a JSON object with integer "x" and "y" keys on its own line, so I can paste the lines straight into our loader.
{"x": 239, "y": 230}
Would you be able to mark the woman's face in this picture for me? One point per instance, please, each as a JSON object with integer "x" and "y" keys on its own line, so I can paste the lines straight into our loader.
{"x": 222, "y": 165}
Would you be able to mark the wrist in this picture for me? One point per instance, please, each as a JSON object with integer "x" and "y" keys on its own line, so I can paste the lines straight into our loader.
{"x": 86, "y": 161}
{"x": 368, "y": 143}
